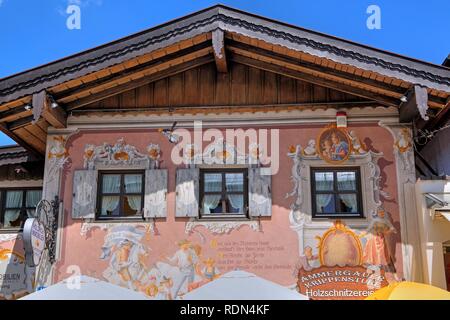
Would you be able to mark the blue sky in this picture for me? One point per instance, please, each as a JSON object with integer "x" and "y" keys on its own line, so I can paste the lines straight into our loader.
{"x": 34, "y": 32}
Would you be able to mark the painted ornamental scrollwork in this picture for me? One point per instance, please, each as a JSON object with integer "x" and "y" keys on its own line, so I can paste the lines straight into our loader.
{"x": 331, "y": 148}
{"x": 221, "y": 227}
{"x": 87, "y": 227}
{"x": 120, "y": 154}
{"x": 58, "y": 157}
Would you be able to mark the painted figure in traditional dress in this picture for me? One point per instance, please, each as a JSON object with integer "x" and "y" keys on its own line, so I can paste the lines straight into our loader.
{"x": 307, "y": 261}
{"x": 126, "y": 266}
{"x": 209, "y": 272}
{"x": 376, "y": 250}
{"x": 185, "y": 259}
{"x": 165, "y": 289}
{"x": 339, "y": 150}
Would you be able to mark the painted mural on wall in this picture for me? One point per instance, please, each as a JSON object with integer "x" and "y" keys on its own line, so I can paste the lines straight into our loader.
{"x": 345, "y": 266}
{"x": 337, "y": 261}
{"x": 167, "y": 258}
{"x": 166, "y": 279}
{"x": 120, "y": 153}
{"x": 16, "y": 279}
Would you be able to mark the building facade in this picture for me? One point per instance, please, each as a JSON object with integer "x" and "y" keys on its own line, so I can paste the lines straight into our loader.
{"x": 222, "y": 141}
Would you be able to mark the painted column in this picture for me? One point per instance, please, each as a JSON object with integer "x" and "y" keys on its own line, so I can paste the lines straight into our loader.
{"x": 55, "y": 160}
{"x": 406, "y": 180}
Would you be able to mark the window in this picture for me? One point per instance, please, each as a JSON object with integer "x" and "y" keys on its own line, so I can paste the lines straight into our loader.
{"x": 223, "y": 193}
{"x": 336, "y": 193}
{"x": 17, "y": 206}
{"x": 121, "y": 195}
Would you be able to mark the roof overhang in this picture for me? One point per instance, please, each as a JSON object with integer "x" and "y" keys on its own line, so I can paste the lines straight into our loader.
{"x": 215, "y": 34}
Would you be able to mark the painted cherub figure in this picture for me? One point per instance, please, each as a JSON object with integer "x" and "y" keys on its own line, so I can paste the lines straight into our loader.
{"x": 327, "y": 147}
{"x": 310, "y": 149}
{"x": 357, "y": 146}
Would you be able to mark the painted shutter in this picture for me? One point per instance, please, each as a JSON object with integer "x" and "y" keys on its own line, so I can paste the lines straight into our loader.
{"x": 155, "y": 199}
{"x": 187, "y": 193}
{"x": 260, "y": 192}
{"x": 84, "y": 194}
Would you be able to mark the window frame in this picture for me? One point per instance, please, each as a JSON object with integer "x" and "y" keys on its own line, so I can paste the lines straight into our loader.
{"x": 223, "y": 172}
{"x": 23, "y": 208}
{"x": 335, "y": 192}
{"x": 122, "y": 194}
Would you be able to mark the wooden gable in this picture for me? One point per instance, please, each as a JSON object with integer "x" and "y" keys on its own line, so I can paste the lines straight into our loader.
{"x": 205, "y": 87}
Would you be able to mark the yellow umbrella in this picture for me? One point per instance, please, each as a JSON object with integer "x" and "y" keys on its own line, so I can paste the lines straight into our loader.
{"x": 409, "y": 291}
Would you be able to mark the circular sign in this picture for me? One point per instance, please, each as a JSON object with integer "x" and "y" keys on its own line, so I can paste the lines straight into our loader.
{"x": 34, "y": 241}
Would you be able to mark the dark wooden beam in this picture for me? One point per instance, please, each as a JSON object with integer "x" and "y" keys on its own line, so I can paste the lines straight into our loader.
{"x": 20, "y": 123}
{"x": 139, "y": 82}
{"x": 382, "y": 99}
{"x": 42, "y": 107}
{"x": 20, "y": 141}
{"x": 66, "y": 95}
{"x": 416, "y": 98}
{"x": 218, "y": 43}
{"x": 12, "y": 112}
{"x": 382, "y": 87}
{"x": 56, "y": 116}
{"x": 441, "y": 119}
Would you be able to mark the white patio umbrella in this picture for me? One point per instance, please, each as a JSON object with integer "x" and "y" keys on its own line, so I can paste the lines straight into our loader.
{"x": 89, "y": 289}
{"x": 241, "y": 285}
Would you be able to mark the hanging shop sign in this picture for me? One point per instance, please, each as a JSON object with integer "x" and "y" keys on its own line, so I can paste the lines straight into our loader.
{"x": 34, "y": 241}
{"x": 39, "y": 232}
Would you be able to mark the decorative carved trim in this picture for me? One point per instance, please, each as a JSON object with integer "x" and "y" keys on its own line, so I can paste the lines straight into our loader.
{"x": 221, "y": 227}
{"x": 422, "y": 101}
{"x": 226, "y": 22}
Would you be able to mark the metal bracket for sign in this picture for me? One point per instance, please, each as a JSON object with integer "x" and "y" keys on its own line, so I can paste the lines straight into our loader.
{"x": 47, "y": 215}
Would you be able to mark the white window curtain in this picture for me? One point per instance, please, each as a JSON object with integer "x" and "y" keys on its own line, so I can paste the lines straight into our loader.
{"x": 111, "y": 184}
{"x": 212, "y": 183}
{"x": 347, "y": 181}
{"x": 13, "y": 200}
{"x": 135, "y": 203}
{"x": 32, "y": 199}
{"x": 235, "y": 183}
{"x": 133, "y": 184}
{"x": 323, "y": 201}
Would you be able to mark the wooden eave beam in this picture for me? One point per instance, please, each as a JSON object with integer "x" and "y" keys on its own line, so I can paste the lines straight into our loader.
{"x": 158, "y": 75}
{"x": 357, "y": 91}
{"x": 326, "y": 72}
{"x": 415, "y": 104}
{"x": 20, "y": 141}
{"x": 218, "y": 43}
{"x": 42, "y": 107}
